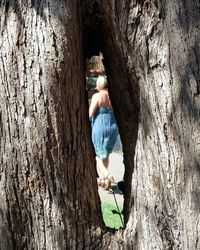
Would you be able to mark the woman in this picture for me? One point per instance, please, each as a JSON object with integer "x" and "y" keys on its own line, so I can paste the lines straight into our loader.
{"x": 104, "y": 130}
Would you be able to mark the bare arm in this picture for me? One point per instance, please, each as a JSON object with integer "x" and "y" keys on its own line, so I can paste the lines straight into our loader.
{"x": 93, "y": 105}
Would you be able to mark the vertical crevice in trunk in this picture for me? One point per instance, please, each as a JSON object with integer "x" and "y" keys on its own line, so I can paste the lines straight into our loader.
{"x": 48, "y": 194}
{"x": 126, "y": 108}
{"x": 123, "y": 85}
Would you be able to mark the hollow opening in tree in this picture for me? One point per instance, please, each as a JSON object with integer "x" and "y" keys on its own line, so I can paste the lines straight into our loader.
{"x": 111, "y": 196}
{"x": 98, "y": 41}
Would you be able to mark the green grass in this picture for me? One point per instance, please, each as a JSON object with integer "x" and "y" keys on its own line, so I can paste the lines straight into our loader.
{"x": 111, "y": 216}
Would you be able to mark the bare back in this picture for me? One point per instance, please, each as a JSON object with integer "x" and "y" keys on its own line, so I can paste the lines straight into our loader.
{"x": 104, "y": 100}
{"x": 100, "y": 99}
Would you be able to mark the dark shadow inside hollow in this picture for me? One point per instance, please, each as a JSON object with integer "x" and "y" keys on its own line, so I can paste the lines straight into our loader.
{"x": 123, "y": 88}
{"x": 113, "y": 197}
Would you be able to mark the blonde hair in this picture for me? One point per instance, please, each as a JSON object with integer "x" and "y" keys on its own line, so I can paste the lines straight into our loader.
{"x": 101, "y": 83}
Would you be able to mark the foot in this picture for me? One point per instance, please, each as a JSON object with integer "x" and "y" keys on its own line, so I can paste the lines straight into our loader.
{"x": 107, "y": 184}
{"x": 101, "y": 182}
{"x": 110, "y": 178}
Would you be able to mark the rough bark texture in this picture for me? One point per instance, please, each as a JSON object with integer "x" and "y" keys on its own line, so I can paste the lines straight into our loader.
{"x": 47, "y": 166}
{"x": 48, "y": 194}
{"x": 152, "y": 57}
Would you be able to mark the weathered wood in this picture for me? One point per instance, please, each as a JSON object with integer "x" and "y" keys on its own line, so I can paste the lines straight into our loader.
{"x": 151, "y": 53}
{"x": 48, "y": 191}
{"x": 47, "y": 168}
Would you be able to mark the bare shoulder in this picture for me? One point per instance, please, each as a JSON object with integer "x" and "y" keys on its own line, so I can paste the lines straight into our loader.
{"x": 96, "y": 96}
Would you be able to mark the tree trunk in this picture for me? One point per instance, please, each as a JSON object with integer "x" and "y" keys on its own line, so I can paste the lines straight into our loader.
{"x": 48, "y": 191}
{"x": 47, "y": 165}
{"x": 152, "y": 61}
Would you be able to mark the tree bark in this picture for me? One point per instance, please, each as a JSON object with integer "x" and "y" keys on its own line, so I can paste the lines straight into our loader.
{"x": 47, "y": 165}
{"x": 152, "y": 61}
{"x": 48, "y": 190}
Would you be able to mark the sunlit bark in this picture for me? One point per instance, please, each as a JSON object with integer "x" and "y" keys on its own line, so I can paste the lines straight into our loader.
{"x": 152, "y": 56}
{"x": 48, "y": 191}
{"x": 47, "y": 167}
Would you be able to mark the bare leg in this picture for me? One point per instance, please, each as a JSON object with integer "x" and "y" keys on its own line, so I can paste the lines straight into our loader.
{"x": 105, "y": 163}
{"x": 102, "y": 169}
{"x": 101, "y": 173}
